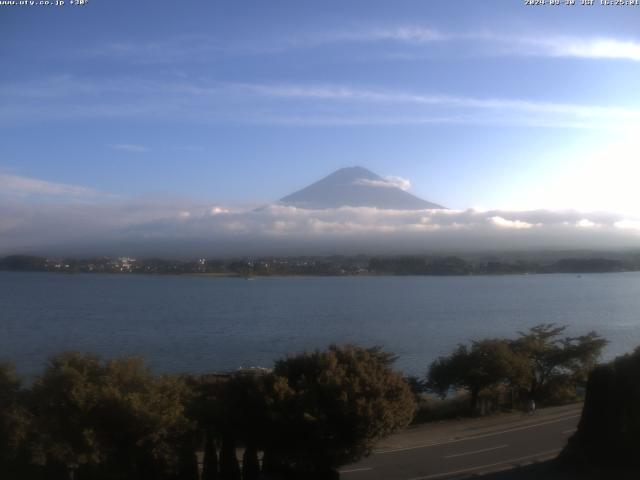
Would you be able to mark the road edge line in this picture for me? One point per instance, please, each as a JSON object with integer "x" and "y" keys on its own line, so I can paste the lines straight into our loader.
{"x": 479, "y": 468}
{"x": 474, "y": 437}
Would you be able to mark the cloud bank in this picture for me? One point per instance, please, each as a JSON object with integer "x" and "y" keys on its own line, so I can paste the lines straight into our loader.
{"x": 179, "y": 228}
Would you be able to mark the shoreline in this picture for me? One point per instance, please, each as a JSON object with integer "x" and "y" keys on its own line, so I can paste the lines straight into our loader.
{"x": 306, "y": 275}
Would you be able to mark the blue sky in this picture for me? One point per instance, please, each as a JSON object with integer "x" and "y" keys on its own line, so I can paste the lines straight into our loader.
{"x": 477, "y": 104}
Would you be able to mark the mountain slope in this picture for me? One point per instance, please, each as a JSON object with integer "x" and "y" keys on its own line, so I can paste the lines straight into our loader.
{"x": 355, "y": 187}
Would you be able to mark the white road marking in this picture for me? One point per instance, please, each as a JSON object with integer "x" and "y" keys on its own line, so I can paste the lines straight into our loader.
{"x": 352, "y": 470}
{"x": 492, "y": 434}
{"x": 567, "y": 432}
{"x": 476, "y": 451}
{"x": 489, "y": 465}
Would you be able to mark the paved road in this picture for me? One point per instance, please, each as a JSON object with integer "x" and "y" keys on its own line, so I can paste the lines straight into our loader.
{"x": 475, "y": 448}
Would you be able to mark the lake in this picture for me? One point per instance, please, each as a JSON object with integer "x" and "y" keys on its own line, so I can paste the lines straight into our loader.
{"x": 200, "y": 323}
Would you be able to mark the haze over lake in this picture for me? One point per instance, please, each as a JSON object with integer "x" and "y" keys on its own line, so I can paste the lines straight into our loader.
{"x": 203, "y": 324}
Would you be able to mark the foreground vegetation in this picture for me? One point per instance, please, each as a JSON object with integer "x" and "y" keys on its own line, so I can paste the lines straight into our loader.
{"x": 540, "y": 365}
{"x": 86, "y": 418}
{"x": 608, "y": 435}
{"x": 607, "y": 442}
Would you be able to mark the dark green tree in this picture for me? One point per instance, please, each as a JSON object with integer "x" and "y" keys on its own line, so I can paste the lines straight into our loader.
{"x": 188, "y": 462}
{"x": 250, "y": 463}
{"x": 142, "y": 418}
{"x": 331, "y": 407}
{"x": 229, "y": 466}
{"x": 14, "y": 422}
{"x": 553, "y": 360}
{"x": 210, "y": 460}
{"x": 63, "y": 402}
{"x": 232, "y": 409}
{"x": 109, "y": 418}
{"x": 207, "y": 409}
{"x": 486, "y": 364}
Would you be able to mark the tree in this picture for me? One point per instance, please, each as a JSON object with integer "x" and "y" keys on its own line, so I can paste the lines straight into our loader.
{"x": 14, "y": 421}
{"x": 540, "y": 362}
{"x": 62, "y": 401}
{"x": 331, "y": 407}
{"x": 417, "y": 386}
{"x": 250, "y": 463}
{"x": 552, "y": 360}
{"x": 232, "y": 409}
{"x": 247, "y": 397}
{"x": 112, "y": 418}
{"x": 141, "y": 417}
{"x": 188, "y": 465}
{"x": 485, "y": 364}
{"x": 229, "y": 466}
{"x": 210, "y": 460}
{"x": 209, "y": 411}
{"x": 23, "y": 263}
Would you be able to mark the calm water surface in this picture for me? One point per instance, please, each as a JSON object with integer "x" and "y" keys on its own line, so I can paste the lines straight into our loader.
{"x": 197, "y": 324}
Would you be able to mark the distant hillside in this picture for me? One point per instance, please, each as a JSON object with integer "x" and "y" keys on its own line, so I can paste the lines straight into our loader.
{"x": 356, "y": 187}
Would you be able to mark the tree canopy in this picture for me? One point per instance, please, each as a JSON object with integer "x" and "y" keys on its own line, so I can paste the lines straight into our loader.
{"x": 536, "y": 362}
{"x": 552, "y": 358}
{"x": 113, "y": 416}
{"x": 89, "y": 418}
{"x": 14, "y": 418}
{"x": 485, "y": 364}
{"x": 334, "y": 405}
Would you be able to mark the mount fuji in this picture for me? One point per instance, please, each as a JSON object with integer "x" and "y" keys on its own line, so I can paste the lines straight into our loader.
{"x": 356, "y": 187}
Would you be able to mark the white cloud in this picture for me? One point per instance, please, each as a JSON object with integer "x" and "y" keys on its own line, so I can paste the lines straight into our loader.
{"x": 401, "y": 183}
{"x": 407, "y": 33}
{"x": 504, "y": 223}
{"x": 386, "y": 182}
{"x": 128, "y": 147}
{"x": 502, "y": 43}
{"x": 333, "y": 92}
{"x": 22, "y": 186}
{"x": 628, "y": 224}
{"x": 218, "y": 210}
{"x": 281, "y": 104}
{"x": 174, "y": 227}
{"x": 176, "y": 49}
{"x": 459, "y": 109}
{"x": 596, "y": 48}
{"x": 194, "y": 48}
{"x": 585, "y": 223}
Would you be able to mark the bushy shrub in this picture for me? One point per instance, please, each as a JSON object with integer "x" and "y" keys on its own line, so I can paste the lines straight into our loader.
{"x": 334, "y": 405}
